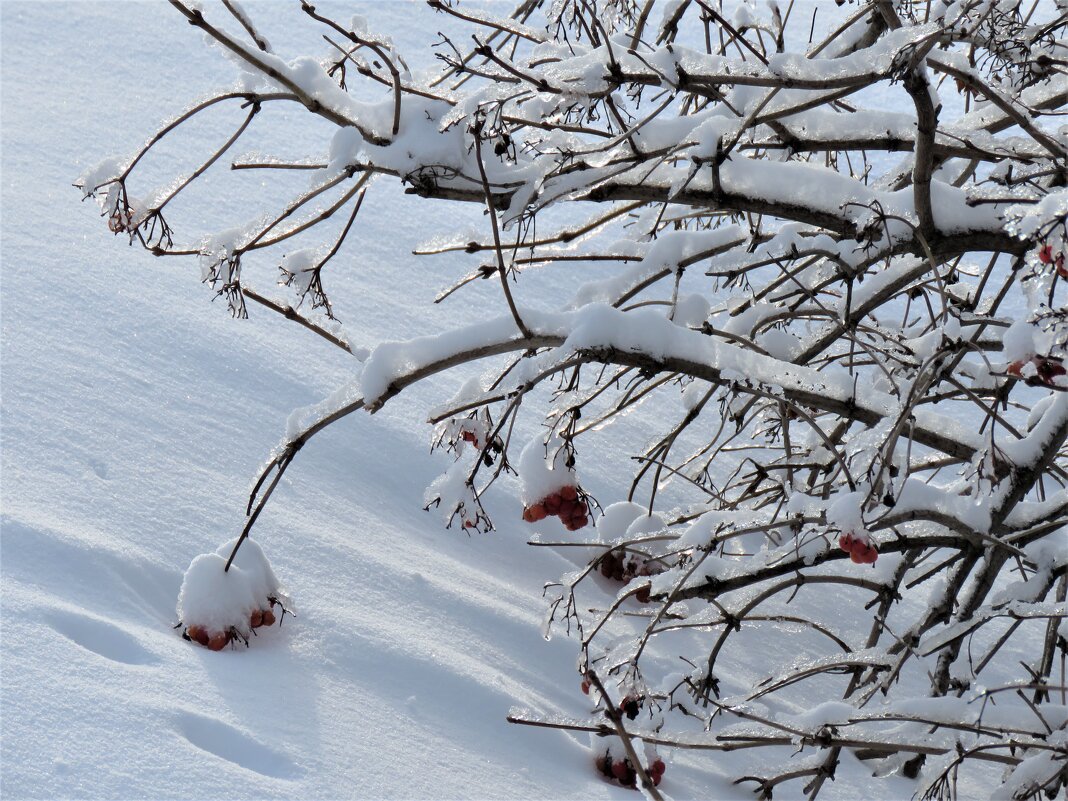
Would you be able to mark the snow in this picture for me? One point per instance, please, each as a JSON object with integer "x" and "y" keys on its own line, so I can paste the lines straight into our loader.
{"x": 136, "y": 412}
{"x": 1035, "y": 444}
{"x": 94, "y": 178}
{"x": 845, "y": 513}
{"x": 543, "y": 469}
{"x": 215, "y": 598}
{"x": 255, "y": 565}
{"x": 616, "y": 520}
{"x": 915, "y": 495}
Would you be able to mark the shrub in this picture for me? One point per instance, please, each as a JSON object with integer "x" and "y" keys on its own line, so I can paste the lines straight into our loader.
{"x": 842, "y": 238}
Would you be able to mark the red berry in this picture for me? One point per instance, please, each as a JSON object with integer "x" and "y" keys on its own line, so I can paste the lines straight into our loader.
{"x": 1045, "y": 255}
{"x": 256, "y": 619}
{"x": 580, "y": 522}
{"x": 198, "y": 634}
{"x": 658, "y": 767}
{"x": 566, "y": 510}
{"x": 656, "y": 779}
{"x": 631, "y": 706}
{"x": 528, "y": 514}
{"x": 1062, "y": 271}
{"x": 1048, "y": 370}
{"x": 845, "y": 542}
{"x": 568, "y": 493}
{"x": 619, "y": 769}
{"x": 551, "y": 504}
{"x": 537, "y": 511}
{"x": 863, "y": 553}
{"x": 218, "y": 641}
{"x": 608, "y": 564}
{"x": 268, "y": 617}
{"x": 585, "y": 687}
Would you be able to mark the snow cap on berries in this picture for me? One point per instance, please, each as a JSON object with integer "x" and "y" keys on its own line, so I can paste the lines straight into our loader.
{"x": 846, "y": 515}
{"x": 216, "y": 599}
{"x": 543, "y": 470}
{"x": 1018, "y": 341}
{"x": 253, "y": 562}
{"x": 617, "y": 518}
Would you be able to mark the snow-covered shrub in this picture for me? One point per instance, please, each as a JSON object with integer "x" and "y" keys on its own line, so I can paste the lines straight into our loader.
{"x": 829, "y": 246}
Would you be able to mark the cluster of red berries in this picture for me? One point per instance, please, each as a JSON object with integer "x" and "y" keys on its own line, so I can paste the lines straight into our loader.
{"x": 566, "y": 503}
{"x": 615, "y": 565}
{"x": 860, "y": 551}
{"x": 261, "y": 617}
{"x": 1047, "y": 370}
{"x": 622, "y": 771}
{"x": 217, "y": 640}
{"x": 1045, "y": 255}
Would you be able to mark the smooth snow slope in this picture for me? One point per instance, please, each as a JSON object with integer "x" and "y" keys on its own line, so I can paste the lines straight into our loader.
{"x": 135, "y": 412}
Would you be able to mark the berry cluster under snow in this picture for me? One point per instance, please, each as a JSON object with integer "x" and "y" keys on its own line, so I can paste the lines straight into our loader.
{"x": 218, "y": 606}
